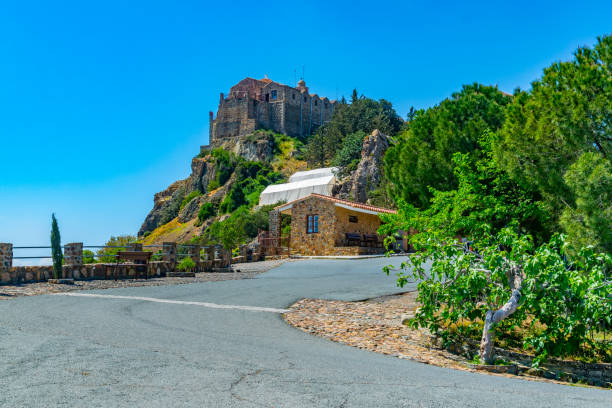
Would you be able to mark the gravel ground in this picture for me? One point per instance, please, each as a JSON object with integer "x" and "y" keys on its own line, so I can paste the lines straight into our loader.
{"x": 376, "y": 325}
{"x": 240, "y": 271}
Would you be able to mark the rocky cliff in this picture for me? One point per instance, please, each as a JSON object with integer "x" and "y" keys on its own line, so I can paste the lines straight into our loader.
{"x": 358, "y": 185}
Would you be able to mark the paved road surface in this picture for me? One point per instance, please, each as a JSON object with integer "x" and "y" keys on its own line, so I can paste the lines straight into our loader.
{"x": 125, "y": 352}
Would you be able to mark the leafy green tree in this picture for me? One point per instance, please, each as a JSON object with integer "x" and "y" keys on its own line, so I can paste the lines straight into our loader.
{"x": 423, "y": 155}
{"x": 362, "y": 114}
{"x": 589, "y": 222}
{"x": 115, "y": 244}
{"x": 56, "y": 248}
{"x": 88, "y": 257}
{"x": 350, "y": 150}
{"x": 566, "y": 114}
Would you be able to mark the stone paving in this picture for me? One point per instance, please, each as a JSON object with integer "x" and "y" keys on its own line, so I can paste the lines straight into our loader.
{"x": 376, "y": 325}
{"x": 239, "y": 271}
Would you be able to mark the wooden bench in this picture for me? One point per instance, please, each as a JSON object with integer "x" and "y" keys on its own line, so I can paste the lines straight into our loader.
{"x": 352, "y": 237}
{"x": 371, "y": 240}
{"x": 136, "y": 259}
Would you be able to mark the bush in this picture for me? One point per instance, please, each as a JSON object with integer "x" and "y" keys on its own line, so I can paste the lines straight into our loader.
{"x": 350, "y": 152}
{"x": 88, "y": 257}
{"x": 186, "y": 265}
{"x": 187, "y": 199}
{"x": 207, "y": 210}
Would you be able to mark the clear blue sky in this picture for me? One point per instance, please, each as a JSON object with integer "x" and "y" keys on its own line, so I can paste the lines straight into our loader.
{"x": 102, "y": 105}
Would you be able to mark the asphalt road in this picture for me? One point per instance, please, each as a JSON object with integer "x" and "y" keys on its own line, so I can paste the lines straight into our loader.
{"x": 109, "y": 352}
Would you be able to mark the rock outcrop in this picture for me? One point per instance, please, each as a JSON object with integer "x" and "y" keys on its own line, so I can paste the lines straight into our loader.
{"x": 368, "y": 175}
{"x": 161, "y": 201}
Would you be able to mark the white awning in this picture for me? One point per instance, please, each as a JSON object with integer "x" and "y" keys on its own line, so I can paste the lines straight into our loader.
{"x": 295, "y": 190}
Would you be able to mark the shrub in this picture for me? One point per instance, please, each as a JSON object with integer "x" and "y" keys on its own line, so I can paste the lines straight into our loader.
{"x": 118, "y": 244}
{"x": 350, "y": 152}
{"x": 186, "y": 265}
{"x": 207, "y": 210}
{"x": 88, "y": 257}
{"x": 187, "y": 199}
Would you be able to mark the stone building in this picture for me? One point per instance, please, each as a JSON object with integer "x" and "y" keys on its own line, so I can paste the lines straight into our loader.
{"x": 264, "y": 104}
{"x": 320, "y": 225}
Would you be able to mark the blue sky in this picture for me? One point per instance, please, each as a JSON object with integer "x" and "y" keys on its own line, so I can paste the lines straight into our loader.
{"x": 102, "y": 104}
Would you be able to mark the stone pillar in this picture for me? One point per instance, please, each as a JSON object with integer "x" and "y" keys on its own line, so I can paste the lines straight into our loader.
{"x": 275, "y": 224}
{"x": 73, "y": 260}
{"x": 169, "y": 253}
{"x": 6, "y": 261}
{"x": 6, "y": 256}
{"x": 134, "y": 247}
{"x": 73, "y": 254}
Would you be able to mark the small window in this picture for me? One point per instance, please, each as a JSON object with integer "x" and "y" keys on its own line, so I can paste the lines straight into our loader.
{"x": 316, "y": 102}
{"x": 267, "y": 97}
{"x": 293, "y": 95}
{"x": 274, "y": 94}
{"x": 305, "y": 99}
{"x": 312, "y": 224}
{"x": 352, "y": 218}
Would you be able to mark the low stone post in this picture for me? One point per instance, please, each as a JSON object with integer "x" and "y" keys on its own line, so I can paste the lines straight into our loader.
{"x": 73, "y": 260}
{"x": 193, "y": 251}
{"x": 6, "y": 261}
{"x": 243, "y": 253}
{"x": 169, "y": 254}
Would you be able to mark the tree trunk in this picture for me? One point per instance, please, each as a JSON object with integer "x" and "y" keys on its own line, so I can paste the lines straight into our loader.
{"x": 491, "y": 319}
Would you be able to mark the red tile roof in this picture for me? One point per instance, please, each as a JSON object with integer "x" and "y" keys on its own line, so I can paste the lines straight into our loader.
{"x": 345, "y": 202}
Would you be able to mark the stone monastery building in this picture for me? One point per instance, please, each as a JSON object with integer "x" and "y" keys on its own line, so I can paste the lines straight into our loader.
{"x": 264, "y": 104}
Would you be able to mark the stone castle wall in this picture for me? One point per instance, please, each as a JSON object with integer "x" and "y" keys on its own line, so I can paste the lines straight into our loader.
{"x": 251, "y": 105}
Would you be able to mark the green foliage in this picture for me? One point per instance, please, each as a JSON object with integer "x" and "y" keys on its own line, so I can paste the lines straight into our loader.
{"x": 566, "y": 115}
{"x": 187, "y": 199}
{"x": 225, "y": 162}
{"x": 186, "y": 265}
{"x": 207, "y": 210}
{"x": 362, "y": 115}
{"x": 350, "y": 152}
{"x": 423, "y": 155}
{"x": 88, "y": 257}
{"x": 118, "y": 243}
{"x": 251, "y": 179}
{"x": 56, "y": 248}
{"x": 239, "y": 227}
{"x": 589, "y": 222}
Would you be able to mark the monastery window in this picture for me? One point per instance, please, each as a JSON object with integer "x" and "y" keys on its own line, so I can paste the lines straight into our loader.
{"x": 274, "y": 94}
{"x": 353, "y": 218}
{"x": 293, "y": 96}
{"x": 305, "y": 99}
{"x": 312, "y": 224}
{"x": 316, "y": 102}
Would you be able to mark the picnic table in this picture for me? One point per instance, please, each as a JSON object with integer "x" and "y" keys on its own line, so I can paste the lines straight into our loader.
{"x": 137, "y": 259}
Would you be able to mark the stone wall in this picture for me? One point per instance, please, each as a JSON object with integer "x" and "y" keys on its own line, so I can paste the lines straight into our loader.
{"x": 320, "y": 243}
{"x": 251, "y": 106}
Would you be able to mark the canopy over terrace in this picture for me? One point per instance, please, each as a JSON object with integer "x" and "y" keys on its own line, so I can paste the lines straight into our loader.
{"x": 300, "y": 185}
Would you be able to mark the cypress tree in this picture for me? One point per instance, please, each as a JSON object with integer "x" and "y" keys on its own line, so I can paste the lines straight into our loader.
{"x": 56, "y": 248}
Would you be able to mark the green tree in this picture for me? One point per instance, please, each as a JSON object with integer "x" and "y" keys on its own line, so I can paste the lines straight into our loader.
{"x": 423, "y": 155}
{"x": 56, "y": 248}
{"x": 589, "y": 221}
{"x": 362, "y": 114}
{"x": 566, "y": 114}
{"x": 88, "y": 257}
{"x": 115, "y": 244}
{"x": 350, "y": 150}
